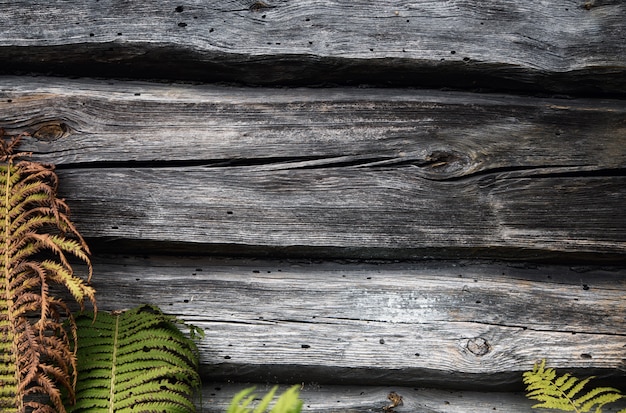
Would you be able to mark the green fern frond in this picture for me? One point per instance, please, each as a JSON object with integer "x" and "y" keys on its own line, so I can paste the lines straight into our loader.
{"x": 564, "y": 392}
{"x": 36, "y": 351}
{"x": 288, "y": 402}
{"x": 135, "y": 361}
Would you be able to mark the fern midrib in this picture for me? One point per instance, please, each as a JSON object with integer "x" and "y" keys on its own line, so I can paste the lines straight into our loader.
{"x": 570, "y": 401}
{"x": 7, "y": 277}
{"x": 114, "y": 364}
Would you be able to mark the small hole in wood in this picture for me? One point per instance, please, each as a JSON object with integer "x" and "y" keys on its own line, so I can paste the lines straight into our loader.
{"x": 452, "y": 52}
{"x": 585, "y": 287}
{"x": 305, "y": 346}
{"x": 182, "y": 24}
{"x": 586, "y": 356}
{"x": 179, "y": 9}
{"x": 227, "y": 357}
{"x": 211, "y": 30}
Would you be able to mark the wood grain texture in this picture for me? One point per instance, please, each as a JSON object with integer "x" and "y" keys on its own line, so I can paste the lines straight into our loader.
{"x": 368, "y": 399}
{"x": 568, "y": 46}
{"x": 466, "y": 325}
{"x": 354, "y": 173}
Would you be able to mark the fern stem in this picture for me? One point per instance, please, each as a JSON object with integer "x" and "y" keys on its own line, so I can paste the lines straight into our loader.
{"x": 6, "y": 267}
{"x": 114, "y": 360}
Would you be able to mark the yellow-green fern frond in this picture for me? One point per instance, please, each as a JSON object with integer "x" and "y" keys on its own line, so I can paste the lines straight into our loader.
{"x": 288, "y": 402}
{"x": 565, "y": 392}
{"x": 135, "y": 361}
{"x": 36, "y": 241}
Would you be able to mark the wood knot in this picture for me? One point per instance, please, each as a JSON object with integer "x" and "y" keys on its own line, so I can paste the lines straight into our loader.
{"x": 51, "y": 132}
{"x": 259, "y": 6}
{"x": 478, "y": 346}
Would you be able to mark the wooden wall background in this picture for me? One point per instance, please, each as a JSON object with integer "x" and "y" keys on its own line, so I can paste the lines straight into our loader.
{"x": 423, "y": 197}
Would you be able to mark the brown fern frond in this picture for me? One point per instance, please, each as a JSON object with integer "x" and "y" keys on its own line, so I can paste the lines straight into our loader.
{"x": 38, "y": 240}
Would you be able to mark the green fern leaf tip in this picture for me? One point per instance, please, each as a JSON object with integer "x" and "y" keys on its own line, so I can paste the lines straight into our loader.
{"x": 565, "y": 392}
{"x": 288, "y": 402}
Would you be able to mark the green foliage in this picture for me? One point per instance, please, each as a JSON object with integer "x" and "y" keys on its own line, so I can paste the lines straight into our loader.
{"x": 564, "y": 392}
{"x": 288, "y": 402}
{"x": 37, "y": 240}
{"x": 135, "y": 361}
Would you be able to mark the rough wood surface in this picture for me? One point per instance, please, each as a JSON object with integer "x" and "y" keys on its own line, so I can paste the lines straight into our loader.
{"x": 570, "y": 46}
{"x": 344, "y": 172}
{"x": 365, "y": 399}
{"x": 467, "y": 325}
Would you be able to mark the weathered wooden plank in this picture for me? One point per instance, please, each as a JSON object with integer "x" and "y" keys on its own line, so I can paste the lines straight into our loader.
{"x": 565, "y": 46}
{"x": 351, "y": 212}
{"x": 371, "y": 173}
{"x": 367, "y": 399}
{"x": 441, "y": 134}
{"x": 461, "y": 325}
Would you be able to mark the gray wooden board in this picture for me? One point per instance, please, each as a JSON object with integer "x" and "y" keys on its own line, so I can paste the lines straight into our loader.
{"x": 349, "y": 172}
{"x": 466, "y": 325}
{"x": 562, "y": 46}
{"x": 369, "y": 399}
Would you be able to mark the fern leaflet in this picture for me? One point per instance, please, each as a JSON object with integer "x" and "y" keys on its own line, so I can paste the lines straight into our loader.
{"x": 564, "y": 392}
{"x": 288, "y": 402}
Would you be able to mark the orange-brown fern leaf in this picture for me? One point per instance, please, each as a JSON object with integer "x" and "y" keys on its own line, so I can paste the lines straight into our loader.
{"x": 37, "y": 241}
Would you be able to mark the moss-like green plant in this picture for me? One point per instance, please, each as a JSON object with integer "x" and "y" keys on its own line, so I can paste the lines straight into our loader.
{"x": 37, "y": 354}
{"x": 135, "y": 361}
{"x": 288, "y": 402}
{"x": 566, "y": 393}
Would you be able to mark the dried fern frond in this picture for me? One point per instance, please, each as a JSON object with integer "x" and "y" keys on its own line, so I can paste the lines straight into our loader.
{"x": 36, "y": 241}
{"x": 135, "y": 361}
{"x": 565, "y": 392}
